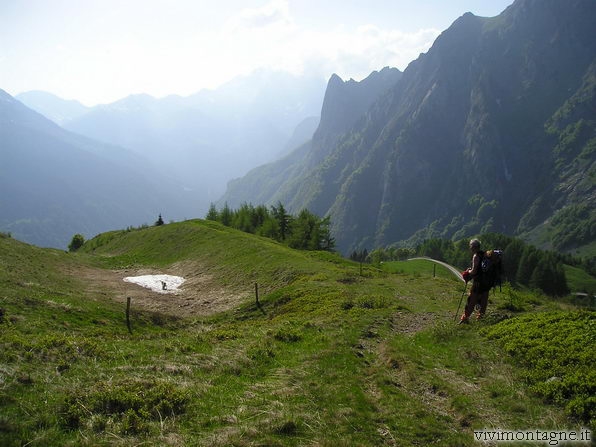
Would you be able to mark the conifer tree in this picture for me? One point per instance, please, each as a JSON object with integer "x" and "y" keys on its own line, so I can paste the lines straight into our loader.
{"x": 225, "y": 216}
{"x": 304, "y": 231}
{"x": 514, "y": 252}
{"x": 283, "y": 220}
{"x": 527, "y": 264}
{"x": 77, "y": 242}
{"x": 212, "y": 213}
{"x": 326, "y": 241}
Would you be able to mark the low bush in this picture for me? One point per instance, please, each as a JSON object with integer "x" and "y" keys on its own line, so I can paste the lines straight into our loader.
{"x": 557, "y": 351}
{"x": 126, "y": 407}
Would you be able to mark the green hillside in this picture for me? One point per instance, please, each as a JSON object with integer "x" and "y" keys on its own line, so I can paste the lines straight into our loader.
{"x": 329, "y": 357}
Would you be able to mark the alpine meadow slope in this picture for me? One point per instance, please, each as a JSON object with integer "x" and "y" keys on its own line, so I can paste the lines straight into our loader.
{"x": 332, "y": 354}
{"x": 493, "y": 129}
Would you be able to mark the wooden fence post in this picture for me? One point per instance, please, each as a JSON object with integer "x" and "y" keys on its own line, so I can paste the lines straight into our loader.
{"x": 128, "y": 314}
{"x": 257, "y": 293}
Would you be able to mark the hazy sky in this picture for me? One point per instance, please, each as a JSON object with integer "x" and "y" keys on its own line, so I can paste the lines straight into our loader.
{"x": 98, "y": 51}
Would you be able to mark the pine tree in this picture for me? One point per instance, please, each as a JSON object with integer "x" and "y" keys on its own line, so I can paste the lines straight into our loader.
{"x": 549, "y": 276}
{"x": 514, "y": 253}
{"x": 212, "y": 213}
{"x": 527, "y": 264}
{"x": 326, "y": 241}
{"x": 302, "y": 231}
{"x": 77, "y": 242}
{"x": 225, "y": 217}
{"x": 359, "y": 255}
{"x": 242, "y": 218}
{"x": 283, "y": 220}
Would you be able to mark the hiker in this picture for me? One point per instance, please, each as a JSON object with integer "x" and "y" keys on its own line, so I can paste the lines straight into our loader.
{"x": 478, "y": 292}
{"x": 164, "y": 286}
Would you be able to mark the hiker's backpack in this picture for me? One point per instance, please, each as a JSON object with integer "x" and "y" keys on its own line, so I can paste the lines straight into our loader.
{"x": 491, "y": 266}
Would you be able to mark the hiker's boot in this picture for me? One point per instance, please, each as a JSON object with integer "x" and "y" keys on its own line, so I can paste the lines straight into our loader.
{"x": 464, "y": 319}
{"x": 479, "y": 316}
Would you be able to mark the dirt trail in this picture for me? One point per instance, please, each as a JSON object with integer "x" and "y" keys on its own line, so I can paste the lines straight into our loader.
{"x": 200, "y": 294}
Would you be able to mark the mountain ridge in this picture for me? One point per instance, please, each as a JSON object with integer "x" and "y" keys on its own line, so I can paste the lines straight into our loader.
{"x": 59, "y": 110}
{"x": 56, "y": 183}
{"x": 212, "y": 135}
{"x": 354, "y": 98}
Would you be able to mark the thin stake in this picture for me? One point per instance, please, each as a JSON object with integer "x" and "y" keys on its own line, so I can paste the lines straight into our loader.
{"x": 460, "y": 300}
{"x": 128, "y": 314}
{"x": 257, "y": 293}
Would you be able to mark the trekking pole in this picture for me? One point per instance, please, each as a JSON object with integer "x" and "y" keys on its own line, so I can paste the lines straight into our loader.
{"x": 460, "y": 300}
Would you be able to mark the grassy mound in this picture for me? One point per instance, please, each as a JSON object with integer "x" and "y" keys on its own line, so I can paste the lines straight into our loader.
{"x": 232, "y": 256}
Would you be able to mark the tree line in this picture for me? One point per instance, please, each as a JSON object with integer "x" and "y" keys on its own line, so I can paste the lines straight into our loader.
{"x": 304, "y": 231}
{"x": 523, "y": 264}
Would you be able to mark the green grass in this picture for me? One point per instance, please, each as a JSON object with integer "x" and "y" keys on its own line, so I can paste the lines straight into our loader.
{"x": 419, "y": 267}
{"x": 233, "y": 257}
{"x": 580, "y": 281}
{"x": 330, "y": 358}
{"x": 586, "y": 251}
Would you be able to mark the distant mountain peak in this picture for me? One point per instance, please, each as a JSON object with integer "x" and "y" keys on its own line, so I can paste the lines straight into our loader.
{"x": 346, "y": 101}
{"x": 59, "y": 110}
{"x": 335, "y": 79}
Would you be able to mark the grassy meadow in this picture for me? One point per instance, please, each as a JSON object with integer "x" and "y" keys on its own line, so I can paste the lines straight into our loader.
{"x": 330, "y": 356}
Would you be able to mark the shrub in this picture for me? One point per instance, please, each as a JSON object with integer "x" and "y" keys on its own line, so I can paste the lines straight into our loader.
{"x": 77, "y": 242}
{"x": 556, "y": 349}
{"x": 125, "y": 407}
{"x": 287, "y": 334}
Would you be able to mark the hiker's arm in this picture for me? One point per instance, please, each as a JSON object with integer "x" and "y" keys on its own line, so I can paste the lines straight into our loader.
{"x": 475, "y": 265}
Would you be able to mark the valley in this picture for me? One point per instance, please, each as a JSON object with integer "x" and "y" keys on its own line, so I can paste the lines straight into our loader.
{"x": 277, "y": 260}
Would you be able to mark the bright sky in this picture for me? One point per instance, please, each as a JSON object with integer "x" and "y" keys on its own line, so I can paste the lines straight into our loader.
{"x": 98, "y": 51}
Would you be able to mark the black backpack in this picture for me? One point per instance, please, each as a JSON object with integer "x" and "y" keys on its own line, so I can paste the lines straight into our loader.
{"x": 491, "y": 267}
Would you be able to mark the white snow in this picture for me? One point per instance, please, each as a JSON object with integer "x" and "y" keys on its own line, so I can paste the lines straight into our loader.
{"x": 154, "y": 282}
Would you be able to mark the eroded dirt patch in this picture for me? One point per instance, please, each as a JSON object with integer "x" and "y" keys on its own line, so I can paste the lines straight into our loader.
{"x": 200, "y": 294}
{"x": 411, "y": 323}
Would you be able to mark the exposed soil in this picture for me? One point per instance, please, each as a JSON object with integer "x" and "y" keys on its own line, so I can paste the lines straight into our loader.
{"x": 200, "y": 294}
{"x": 410, "y": 323}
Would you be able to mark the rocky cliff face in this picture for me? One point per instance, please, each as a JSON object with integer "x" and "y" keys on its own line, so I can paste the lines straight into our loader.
{"x": 464, "y": 148}
{"x": 491, "y": 130}
{"x": 344, "y": 104}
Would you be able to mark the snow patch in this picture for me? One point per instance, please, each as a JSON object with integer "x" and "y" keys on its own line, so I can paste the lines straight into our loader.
{"x": 156, "y": 282}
